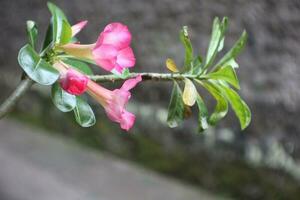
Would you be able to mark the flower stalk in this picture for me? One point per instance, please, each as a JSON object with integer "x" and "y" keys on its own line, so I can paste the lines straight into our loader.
{"x": 146, "y": 76}
{"x": 25, "y": 85}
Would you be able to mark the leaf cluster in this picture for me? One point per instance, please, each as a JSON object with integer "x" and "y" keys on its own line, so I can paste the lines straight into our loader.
{"x": 217, "y": 77}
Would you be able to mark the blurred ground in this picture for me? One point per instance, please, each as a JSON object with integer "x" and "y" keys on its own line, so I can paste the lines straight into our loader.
{"x": 43, "y": 167}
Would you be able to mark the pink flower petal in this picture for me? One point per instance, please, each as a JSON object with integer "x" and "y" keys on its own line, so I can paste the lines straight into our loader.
{"x": 105, "y": 56}
{"x": 126, "y": 58}
{"x": 115, "y": 34}
{"x": 131, "y": 83}
{"x": 114, "y": 102}
{"x": 77, "y": 27}
{"x": 127, "y": 120}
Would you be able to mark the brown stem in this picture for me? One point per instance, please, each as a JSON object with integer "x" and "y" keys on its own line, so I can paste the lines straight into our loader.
{"x": 26, "y": 83}
{"x": 11, "y": 101}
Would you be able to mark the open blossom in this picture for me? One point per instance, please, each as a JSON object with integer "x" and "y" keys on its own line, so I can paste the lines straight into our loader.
{"x": 114, "y": 102}
{"x": 111, "y": 51}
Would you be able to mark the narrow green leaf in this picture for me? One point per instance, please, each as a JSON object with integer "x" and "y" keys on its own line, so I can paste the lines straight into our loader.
{"x": 234, "y": 51}
{"x": 80, "y": 66}
{"x": 64, "y": 101}
{"x": 176, "y": 107}
{"x": 49, "y": 36}
{"x": 184, "y": 37}
{"x": 197, "y": 65}
{"x": 227, "y": 74}
{"x": 221, "y": 108}
{"x": 84, "y": 114}
{"x": 89, "y": 61}
{"x": 35, "y": 67}
{"x": 55, "y": 10}
{"x": 62, "y": 32}
{"x": 240, "y": 108}
{"x": 32, "y": 33}
{"x": 217, "y": 40}
{"x": 202, "y": 114}
{"x": 232, "y": 63}
{"x": 65, "y": 35}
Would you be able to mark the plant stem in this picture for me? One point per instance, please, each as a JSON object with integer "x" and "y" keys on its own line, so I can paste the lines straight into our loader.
{"x": 11, "y": 101}
{"x": 26, "y": 84}
{"x": 145, "y": 76}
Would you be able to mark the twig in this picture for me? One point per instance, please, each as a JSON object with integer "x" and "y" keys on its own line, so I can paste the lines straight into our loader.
{"x": 11, "y": 101}
{"x": 145, "y": 76}
{"x": 26, "y": 83}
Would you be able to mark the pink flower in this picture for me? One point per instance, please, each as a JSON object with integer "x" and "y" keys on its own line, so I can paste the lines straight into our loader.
{"x": 114, "y": 102}
{"x": 112, "y": 50}
{"x": 74, "y": 82}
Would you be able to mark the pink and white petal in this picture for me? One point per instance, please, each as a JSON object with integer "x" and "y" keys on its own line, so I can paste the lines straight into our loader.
{"x": 126, "y": 58}
{"x": 127, "y": 120}
{"x": 112, "y": 115}
{"x": 77, "y": 27}
{"x": 131, "y": 83}
{"x": 115, "y": 34}
{"x": 105, "y": 56}
{"x": 120, "y": 98}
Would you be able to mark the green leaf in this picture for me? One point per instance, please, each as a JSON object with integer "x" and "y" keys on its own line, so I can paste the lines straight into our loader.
{"x": 240, "y": 108}
{"x": 217, "y": 40}
{"x": 234, "y": 51}
{"x": 49, "y": 37}
{"x": 197, "y": 65}
{"x": 64, "y": 101}
{"x": 227, "y": 74}
{"x": 184, "y": 37}
{"x": 232, "y": 63}
{"x": 84, "y": 114}
{"x": 80, "y": 66}
{"x": 85, "y": 60}
{"x": 32, "y": 33}
{"x": 176, "y": 107}
{"x": 221, "y": 108}
{"x": 189, "y": 93}
{"x": 35, "y": 67}
{"x": 202, "y": 114}
{"x": 62, "y": 32}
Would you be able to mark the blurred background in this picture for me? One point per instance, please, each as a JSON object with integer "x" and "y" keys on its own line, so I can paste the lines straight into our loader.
{"x": 261, "y": 162}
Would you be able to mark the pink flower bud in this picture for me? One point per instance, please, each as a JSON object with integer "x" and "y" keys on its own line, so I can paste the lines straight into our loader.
{"x": 74, "y": 82}
{"x": 77, "y": 27}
